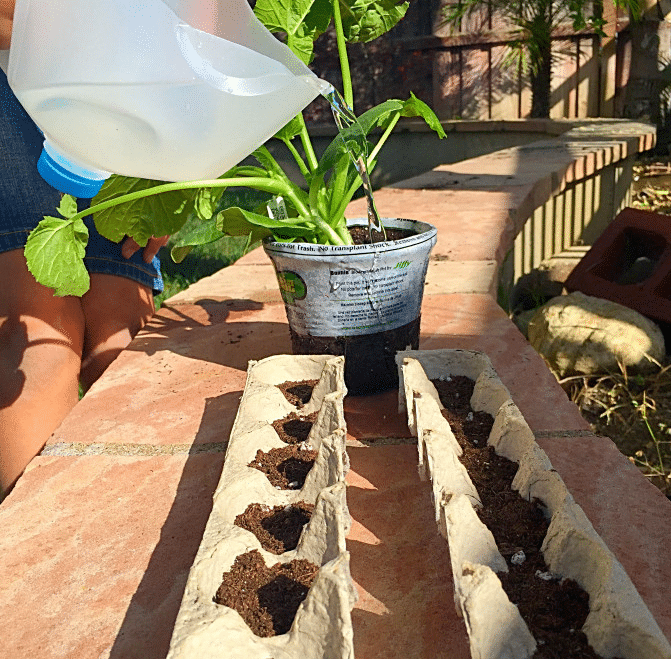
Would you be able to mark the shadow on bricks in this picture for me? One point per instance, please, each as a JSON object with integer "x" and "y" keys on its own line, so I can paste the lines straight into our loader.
{"x": 146, "y": 629}
{"x": 220, "y": 332}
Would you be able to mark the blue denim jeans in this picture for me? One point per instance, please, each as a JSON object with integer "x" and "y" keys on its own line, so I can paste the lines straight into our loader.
{"x": 25, "y": 198}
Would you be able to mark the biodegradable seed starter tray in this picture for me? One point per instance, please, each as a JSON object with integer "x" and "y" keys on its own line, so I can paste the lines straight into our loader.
{"x": 322, "y": 627}
{"x": 619, "y": 623}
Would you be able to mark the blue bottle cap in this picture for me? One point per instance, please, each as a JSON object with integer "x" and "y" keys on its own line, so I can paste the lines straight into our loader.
{"x": 68, "y": 177}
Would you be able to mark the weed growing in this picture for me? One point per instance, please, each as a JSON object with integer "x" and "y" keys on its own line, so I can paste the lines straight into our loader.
{"x": 635, "y": 412}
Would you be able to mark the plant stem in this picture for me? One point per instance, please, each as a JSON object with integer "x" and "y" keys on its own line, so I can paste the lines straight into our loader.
{"x": 259, "y": 183}
{"x": 267, "y": 185}
{"x": 307, "y": 145}
{"x": 327, "y": 230}
{"x": 297, "y": 157}
{"x": 382, "y": 140}
{"x": 348, "y": 93}
{"x": 344, "y": 234}
{"x": 346, "y": 198}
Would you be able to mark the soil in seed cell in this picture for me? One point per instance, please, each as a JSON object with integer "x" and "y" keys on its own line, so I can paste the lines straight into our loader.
{"x": 267, "y": 598}
{"x": 279, "y": 528}
{"x": 293, "y": 428}
{"x": 298, "y": 393}
{"x": 287, "y": 467}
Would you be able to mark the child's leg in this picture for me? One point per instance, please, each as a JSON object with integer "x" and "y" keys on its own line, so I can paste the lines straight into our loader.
{"x": 41, "y": 339}
{"x": 115, "y": 308}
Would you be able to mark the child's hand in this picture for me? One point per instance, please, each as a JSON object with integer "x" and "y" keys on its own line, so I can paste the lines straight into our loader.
{"x": 129, "y": 248}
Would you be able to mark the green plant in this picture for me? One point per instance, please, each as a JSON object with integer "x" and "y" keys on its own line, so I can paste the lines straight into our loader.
{"x": 314, "y": 212}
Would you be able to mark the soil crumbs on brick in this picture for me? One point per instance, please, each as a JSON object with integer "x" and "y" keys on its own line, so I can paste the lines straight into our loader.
{"x": 554, "y": 609}
{"x": 293, "y": 428}
{"x": 298, "y": 393}
{"x": 278, "y": 529}
{"x": 287, "y": 467}
{"x": 267, "y": 598}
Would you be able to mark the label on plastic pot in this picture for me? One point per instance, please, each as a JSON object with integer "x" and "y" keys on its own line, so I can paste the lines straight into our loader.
{"x": 354, "y": 289}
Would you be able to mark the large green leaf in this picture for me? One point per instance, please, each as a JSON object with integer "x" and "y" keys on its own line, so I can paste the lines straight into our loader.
{"x": 302, "y": 45}
{"x": 365, "y": 20}
{"x": 350, "y": 140}
{"x": 282, "y": 15}
{"x": 68, "y": 206}
{"x": 415, "y": 107}
{"x": 379, "y": 115}
{"x": 239, "y": 222}
{"x": 206, "y": 202}
{"x": 412, "y": 107}
{"x": 55, "y": 251}
{"x": 157, "y": 215}
{"x": 301, "y": 20}
{"x": 203, "y": 233}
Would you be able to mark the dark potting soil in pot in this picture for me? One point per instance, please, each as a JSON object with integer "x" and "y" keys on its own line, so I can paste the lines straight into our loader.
{"x": 370, "y": 359}
{"x": 294, "y": 428}
{"x": 267, "y": 598}
{"x": 278, "y": 529}
{"x": 554, "y": 609}
{"x": 298, "y": 393}
{"x": 361, "y": 235}
{"x": 287, "y": 467}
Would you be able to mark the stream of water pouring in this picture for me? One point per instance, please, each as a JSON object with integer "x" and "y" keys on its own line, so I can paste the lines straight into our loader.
{"x": 346, "y": 120}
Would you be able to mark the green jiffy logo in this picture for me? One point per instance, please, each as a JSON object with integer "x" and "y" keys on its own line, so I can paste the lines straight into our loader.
{"x": 401, "y": 264}
{"x": 292, "y": 286}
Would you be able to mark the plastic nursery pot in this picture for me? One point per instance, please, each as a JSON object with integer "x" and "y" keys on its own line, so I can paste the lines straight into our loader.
{"x": 360, "y": 301}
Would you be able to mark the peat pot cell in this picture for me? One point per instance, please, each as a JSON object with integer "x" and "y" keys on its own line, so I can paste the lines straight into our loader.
{"x": 298, "y": 393}
{"x": 267, "y": 598}
{"x": 293, "y": 429}
{"x": 553, "y": 608}
{"x": 287, "y": 467}
{"x": 278, "y": 529}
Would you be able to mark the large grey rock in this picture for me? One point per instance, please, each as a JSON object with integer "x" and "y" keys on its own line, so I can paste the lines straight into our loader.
{"x": 582, "y": 335}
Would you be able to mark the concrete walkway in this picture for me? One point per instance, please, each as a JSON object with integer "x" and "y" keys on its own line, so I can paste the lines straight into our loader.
{"x": 100, "y": 532}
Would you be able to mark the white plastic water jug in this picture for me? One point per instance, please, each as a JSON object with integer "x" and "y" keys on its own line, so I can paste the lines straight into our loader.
{"x": 172, "y": 90}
